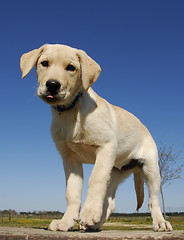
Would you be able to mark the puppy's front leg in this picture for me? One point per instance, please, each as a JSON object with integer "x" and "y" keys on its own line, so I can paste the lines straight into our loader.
{"x": 97, "y": 186}
{"x": 74, "y": 181}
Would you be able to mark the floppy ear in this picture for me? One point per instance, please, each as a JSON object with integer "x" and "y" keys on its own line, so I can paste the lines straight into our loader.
{"x": 90, "y": 69}
{"x": 29, "y": 59}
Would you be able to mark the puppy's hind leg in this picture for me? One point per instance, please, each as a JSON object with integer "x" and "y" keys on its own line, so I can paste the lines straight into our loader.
{"x": 152, "y": 177}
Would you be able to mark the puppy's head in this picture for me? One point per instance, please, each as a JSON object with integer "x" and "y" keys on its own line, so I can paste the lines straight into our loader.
{"x": 62, "y": 72}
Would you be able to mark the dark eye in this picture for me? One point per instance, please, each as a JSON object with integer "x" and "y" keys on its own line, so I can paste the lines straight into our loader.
{"x": 45, "y": 63}
{"x": 70, "y": 68}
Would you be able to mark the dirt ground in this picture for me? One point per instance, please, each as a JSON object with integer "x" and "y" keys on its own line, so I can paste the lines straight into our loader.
{"x": 13, "y": 233}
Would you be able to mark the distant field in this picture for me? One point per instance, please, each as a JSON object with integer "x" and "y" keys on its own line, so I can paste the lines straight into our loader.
{"x": 115, "y": 223}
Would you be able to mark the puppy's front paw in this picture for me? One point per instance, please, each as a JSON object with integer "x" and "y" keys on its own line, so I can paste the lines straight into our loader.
{"x": 54, "y": 225}
{"x": 61, "y": 225}
{"x": 90, "y": 216}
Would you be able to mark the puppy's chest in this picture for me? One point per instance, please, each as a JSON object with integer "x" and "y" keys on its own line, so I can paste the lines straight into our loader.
{"x": 69, "y": 131}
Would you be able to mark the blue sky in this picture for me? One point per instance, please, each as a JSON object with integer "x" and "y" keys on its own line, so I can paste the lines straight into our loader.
{"x": 139, "y": 45}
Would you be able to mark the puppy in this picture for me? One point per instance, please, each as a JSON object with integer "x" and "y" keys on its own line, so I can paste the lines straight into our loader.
{"x": 88, "y": 129}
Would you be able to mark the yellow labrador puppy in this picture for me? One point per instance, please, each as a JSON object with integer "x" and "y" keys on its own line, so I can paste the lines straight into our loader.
{"x": 88, "y": 129}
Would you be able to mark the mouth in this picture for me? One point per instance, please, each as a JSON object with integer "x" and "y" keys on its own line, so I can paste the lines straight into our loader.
{"x": 52, "y": 99}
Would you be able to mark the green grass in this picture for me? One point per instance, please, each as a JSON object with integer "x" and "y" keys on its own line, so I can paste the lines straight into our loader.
{"x": 123, "y": 223}
{"x": 25, "y": 222}
{"x": 177, "y": 222}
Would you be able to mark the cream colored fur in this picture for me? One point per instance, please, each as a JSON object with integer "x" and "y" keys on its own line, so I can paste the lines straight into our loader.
{"x": 93, "y": 131}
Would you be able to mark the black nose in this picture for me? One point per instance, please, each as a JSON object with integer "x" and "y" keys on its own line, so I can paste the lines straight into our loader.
{"x": 53, "y": 86}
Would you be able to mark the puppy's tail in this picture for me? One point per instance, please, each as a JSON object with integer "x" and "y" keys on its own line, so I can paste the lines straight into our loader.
{"x": 139, "y": 188}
